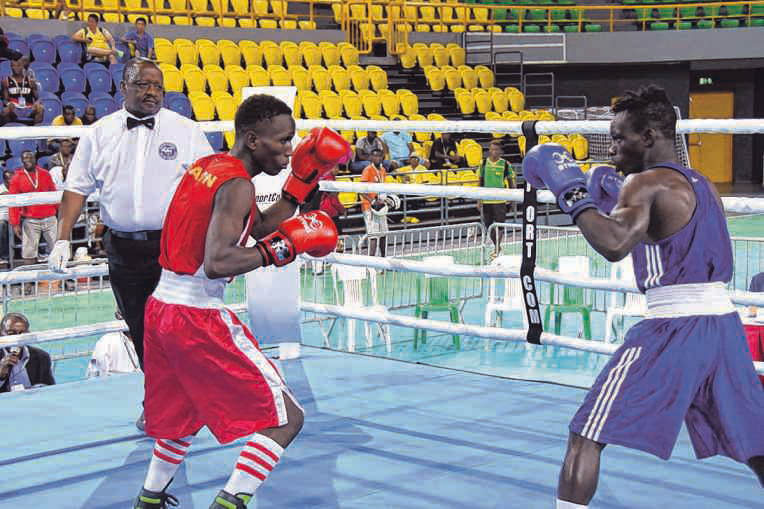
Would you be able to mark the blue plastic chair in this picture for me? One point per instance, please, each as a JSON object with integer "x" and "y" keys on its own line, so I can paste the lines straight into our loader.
{"x": 17, "y": 147}
{"x": 19, "y": 44}
{"x": 43, "y": 50}
{"x": 72, "y": 77}
{"x": 104, "y": 104}
{"x": 42, "y": 162}
{"x": 13, "y": 163}
{"x": 178, "y": 103}
{"x": 37, "y": 37}
{"x": 52, "y": 108}
{"x": 60, "y": 39}
{"x": 118, "y": 99}
{"x": 79, "y": 101}
{"x": 98, "y": 78}
{"x": 69, "y": 52}
{"x": 116, "y": 74}
{"x": 47, "y": 76}
{"x": 216, "y": 141}
{"x": 5, "y": 68}
{"x": 125, "y": 49}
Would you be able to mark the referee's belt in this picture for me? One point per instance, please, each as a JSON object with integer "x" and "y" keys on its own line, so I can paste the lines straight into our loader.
{"x": 139, "y": 235}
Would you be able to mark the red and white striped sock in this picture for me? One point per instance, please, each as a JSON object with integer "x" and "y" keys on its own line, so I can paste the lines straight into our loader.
{"x": 254, "y": 464}
{"x": 167, "y": 457}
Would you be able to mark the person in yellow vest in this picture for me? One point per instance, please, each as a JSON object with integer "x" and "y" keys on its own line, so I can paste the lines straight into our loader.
{"x": 497, "y": 172}
{"x": 99, "y": 42}
{"x": 414, "y": 165}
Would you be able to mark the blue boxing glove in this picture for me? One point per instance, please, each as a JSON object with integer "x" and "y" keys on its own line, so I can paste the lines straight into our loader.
{"x": 551, "y": 166}
{"x": 604, "y": 185}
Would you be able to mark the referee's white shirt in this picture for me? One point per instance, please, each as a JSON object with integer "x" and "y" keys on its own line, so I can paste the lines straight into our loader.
{"x": 136, "y": 170}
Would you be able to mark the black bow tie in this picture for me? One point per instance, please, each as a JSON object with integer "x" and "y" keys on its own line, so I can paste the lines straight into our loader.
{"x": 134, "y": 122}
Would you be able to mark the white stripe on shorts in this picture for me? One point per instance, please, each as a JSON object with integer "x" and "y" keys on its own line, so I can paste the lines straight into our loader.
{"x": 608, "y": 393}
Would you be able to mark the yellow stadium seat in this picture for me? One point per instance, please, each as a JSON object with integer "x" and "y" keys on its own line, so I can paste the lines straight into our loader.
{"x": 500, "y": 101}
{"x": 258, "y": 76}
{"x": 182, "y": 9}
{"x": 237, "y": 77}
{"x": 288, "y": 24}
{"x": 457, "y": 53}
{"x": 466, "y": 102}
{"x": 311, "y": 105}
{"x": 301, "y": 78}
{"x": 580, "y": 147}
{"x": 186, "y": 51}
{"x": 229, "y": 52}
{"x": 516, "y": 99}
{"x": 165, "y": 51}
{"x": 173, "y": 79}
{"x": 424, "y": 55}
{"x": 480, "y": 14}
{"x": 279, "y": 7}
{"x": 420, "y": 136}
{"x": 340, "y": 78}
{"x": 440, "y": 55}
{"x": 291, "y": 53}
{"x": 485, "y": 76}
{"x": 321, "y": 78}
{"x": 421, "y": 27}
{"x": 349, "y": 56}
{"x": 378, "y": 79}
{"x": 202, "y": 16}
{"x": 330, "y": 53}
{"x": 372, "y": 106}
{"x": 311, "y": 55}
{"x": 358, "y": 77}
{"x": 208, "y": 52}
{"x": 493, "y": 116}
{"x": 408, "y": 58}
{"x": 203, "y": 107}
{"x": 225, "y": 105}
{"x": 435, "y": 79}
{"x": 270, "y": 24}
{"x": 216, "y": 78}
{"x": 483, "y": 101}
{"x": 469, "y": 77}
{"x": 352, "y": 104}
{"x": 306, "y": 25}
{"x": 260, "y": 7}
{"x": 358, "y": 12}
{"x": 391, "y": 104}
{"x": 280, "y": 77}
{"x": 453, "y": 79}
{"x": 510, "y": 115}
{"x": 271, "y": 52}
{"x": 348, "y": 199}
{"x": 409, "y": 104}
{"x": 251, "y": 53}
{"x": 194, "y": 78}
{"x": 331, "y": 102}
{"x": 546, "y": 116}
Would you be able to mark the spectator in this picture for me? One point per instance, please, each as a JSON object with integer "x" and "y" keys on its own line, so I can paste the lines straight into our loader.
{"x": 89, "y": 117}
{"x": 5, "y": 241}
{"x": 756, "y": 285}
{"x": 58, "y": 165}
{"x": 444, "y": 153}
{"x": 330, "y": 203}
{"x": 373, "y": 206}
{"x": 22, "y": 366}
{"x": 754, "y": 325}
{"x": 22, "y": 91}
{"x": 113, "y": 353}
{"x": 414, "y": 165}
{"x": 399, "y": 146}
{"x": 5, "y": 50}
{"x": 31, "y": 221}
{"x": 496, "y": 172}
{"x": 67, "y": 117}
{"x": 363, "y": 149}
{"x": 63, "y": 12}
{"x": 140, "y": 40}
{"x": 99, "y": 43}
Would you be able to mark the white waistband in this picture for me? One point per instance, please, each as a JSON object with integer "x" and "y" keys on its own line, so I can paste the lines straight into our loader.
{"x": 687, "y": 300}
{"x": 190, "y": 290}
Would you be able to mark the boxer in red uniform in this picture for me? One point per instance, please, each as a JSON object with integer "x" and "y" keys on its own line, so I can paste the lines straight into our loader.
{"x": 203, "y": 367}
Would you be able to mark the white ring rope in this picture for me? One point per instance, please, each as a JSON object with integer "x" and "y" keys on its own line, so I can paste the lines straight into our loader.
{"x": 719, "y": 126}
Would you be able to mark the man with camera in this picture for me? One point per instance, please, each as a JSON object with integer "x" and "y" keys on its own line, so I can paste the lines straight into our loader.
{"x": 22, "y": 367}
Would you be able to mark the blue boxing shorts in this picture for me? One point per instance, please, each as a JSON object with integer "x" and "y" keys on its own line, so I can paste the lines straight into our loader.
{"x": 695, "y": 369}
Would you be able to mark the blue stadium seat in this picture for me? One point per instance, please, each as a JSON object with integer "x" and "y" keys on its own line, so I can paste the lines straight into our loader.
{"x": 98, "y": 77}
{"x": 61, "y": 38}
{"x": 118, "y": 99}
{"x": 42, "y": 162}
{"x": 19, "y": 43}
{"x": 52, "y": 108}
{"x": 47, "y": 76}
{"x": 125, "y": 49}
{"x": 18, "y": 146}
{"x": 116, "y": 74}
{"x": 37, "y": 37}
{"x": 72, "y": 77}
{"x": 5, "y": 68}
{"x": 79, "y": 101}
{"x": 13, "y": 163}
{"x": 43, "y": 50}
{"x": 179, "y": 103}
{"x": 104, "y": 104}
{"x": 70, "y": 52}
{"x": 216, "y": 141}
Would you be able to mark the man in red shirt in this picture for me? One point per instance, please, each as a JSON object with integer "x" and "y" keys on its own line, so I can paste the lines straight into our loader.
{"x": 202, "y": 365}
{"x": 31, "y": 221}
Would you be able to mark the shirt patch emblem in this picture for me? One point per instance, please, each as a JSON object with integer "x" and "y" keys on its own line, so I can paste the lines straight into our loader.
{"x": 168, "y": 151}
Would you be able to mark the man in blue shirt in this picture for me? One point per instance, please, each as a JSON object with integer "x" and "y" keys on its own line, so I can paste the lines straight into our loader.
{"x": 399, "y": 145}
{"x": 141, "y": 40}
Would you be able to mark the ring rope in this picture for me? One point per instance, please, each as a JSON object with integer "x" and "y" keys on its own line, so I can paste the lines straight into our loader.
{"x": 711, "y": 126}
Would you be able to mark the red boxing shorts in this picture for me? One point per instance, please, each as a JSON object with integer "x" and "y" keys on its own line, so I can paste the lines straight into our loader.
{"x": 203, "y": 367}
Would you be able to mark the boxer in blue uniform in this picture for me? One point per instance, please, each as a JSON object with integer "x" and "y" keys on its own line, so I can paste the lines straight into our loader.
{"x": 688, "y": 360}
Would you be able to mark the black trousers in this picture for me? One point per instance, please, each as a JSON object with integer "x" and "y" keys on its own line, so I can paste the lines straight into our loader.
{"x": 495, "y": 213}
{"x": 134, "y": 272}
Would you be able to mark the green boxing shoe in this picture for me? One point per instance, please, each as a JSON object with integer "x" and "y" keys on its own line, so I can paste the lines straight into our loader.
{"x": 225, "y": 500}
{"x": 148, "y": 499}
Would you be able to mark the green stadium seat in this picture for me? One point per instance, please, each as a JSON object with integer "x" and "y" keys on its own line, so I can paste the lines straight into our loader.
{"x": 659, "y": 25}
{"x": 551, "y": 28}
{"x": 711, "y": 10}
{"x": 705, "y": 23}
{"x": 684, "y": 25}
{"x": 757, "y": 10}
{"x": 593, "y": 28}
{"x": 570, "y": 28}
{"x": 756, "y": 22}
{"x": 729, "y": 23}
{"x": 534, "y": 29}
{"x": 512, "y": 28}
{"x": 535, "y": 15}
{"x": 732, "y": 10}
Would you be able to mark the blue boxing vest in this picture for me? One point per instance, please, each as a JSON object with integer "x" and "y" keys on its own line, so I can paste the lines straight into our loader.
{"x": 701, "y": 252}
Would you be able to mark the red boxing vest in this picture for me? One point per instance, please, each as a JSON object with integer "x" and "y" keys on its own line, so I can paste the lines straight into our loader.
{"x": 184, "y": 232}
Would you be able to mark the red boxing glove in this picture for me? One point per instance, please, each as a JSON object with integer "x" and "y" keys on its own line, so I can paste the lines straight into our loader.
{"x": 313, "y": 233}
{"x": 317, "y": 153}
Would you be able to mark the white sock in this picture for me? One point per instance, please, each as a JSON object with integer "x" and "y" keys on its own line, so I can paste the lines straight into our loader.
{"x": 563, "y": 504}
{"x": 165, "y": 460}
{"x": 255, "y": 462}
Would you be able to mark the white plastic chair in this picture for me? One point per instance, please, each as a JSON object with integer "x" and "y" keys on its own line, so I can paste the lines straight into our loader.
{"x": 635, "y": 304}
{"x": 352, "y": 279}
{"x": 511, "y": 300}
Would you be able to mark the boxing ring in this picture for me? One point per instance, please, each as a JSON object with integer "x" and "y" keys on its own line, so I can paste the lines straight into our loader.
{"x": 387, "y": 424}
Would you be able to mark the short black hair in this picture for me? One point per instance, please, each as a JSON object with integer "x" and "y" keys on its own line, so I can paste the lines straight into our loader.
{"x": 12, "y": 317}
{"x": 258, "y": 108}
{"x": 133, "y": 66}
{"x": 495, "y": 142}
{"x": 68, "y": 107}
{"x": 141, "y": 18}
{"x": 648, "y": 107}
{"x": 29, "y": 152}
{"x": 95, "y": 17}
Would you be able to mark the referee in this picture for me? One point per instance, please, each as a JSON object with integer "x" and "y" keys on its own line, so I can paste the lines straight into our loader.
{"x": 135, "y": 158}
